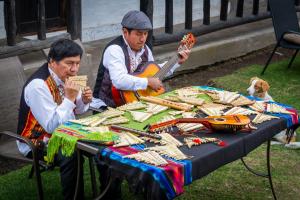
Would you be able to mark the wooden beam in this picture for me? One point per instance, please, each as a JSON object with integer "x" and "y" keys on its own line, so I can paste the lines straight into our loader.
{"x": 75, "y": 19}
{"x": 169, "y": 16}
{"x": 41, "y": 20}
{"x": 29, "y": 45}
{"x": 206, "y": 12}
{"x": 188, "y": 14}
{"x": 10, "y": 22}
{"x": 147, "y": 7}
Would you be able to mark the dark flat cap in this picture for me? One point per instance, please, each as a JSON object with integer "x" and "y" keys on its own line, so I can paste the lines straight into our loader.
{"x": 136, "y": 20}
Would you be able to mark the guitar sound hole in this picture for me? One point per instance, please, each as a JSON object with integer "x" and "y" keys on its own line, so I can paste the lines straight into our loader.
{"x": 220, "y": 119}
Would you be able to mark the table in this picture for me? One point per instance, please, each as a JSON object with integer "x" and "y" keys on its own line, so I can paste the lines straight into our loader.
{"x": 206, "y": 158}
{"x": 167, "y": 182}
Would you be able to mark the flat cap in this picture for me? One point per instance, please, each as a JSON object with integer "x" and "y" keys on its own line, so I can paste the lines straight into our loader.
{"x": 136, "y": 20}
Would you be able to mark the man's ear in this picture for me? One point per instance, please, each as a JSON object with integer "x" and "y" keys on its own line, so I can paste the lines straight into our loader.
{"x": 125, "y": 31}
{"x": 265, "y": 86}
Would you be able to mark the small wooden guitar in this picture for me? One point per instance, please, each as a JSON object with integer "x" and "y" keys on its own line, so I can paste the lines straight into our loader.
{"x": 229, "y": 123}
{"x": 152, "y": 70}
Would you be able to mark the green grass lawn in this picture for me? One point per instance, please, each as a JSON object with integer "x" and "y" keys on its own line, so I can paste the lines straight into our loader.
{"x": 232, "y": 181}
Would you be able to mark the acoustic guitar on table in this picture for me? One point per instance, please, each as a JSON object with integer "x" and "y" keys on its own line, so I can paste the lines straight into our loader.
{"x": 227, "y": 123}
{"x": 151, "y": 69}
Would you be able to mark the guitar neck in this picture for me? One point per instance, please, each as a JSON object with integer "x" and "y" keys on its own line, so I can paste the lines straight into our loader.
{"x": 167, "y": 67}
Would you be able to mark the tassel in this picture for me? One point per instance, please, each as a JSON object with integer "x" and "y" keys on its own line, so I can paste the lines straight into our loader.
{"x": 221, "y": 143}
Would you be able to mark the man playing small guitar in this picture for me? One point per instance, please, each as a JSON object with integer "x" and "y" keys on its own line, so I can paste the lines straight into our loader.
{"x": 126, "y": 56}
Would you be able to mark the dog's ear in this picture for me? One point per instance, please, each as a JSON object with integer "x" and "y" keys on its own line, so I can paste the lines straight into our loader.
{"x": 265, "y": 86}
{"x": 252, "y": 79}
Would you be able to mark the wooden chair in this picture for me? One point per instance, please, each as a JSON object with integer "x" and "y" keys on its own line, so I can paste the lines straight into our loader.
{"x": 286, "y": 27}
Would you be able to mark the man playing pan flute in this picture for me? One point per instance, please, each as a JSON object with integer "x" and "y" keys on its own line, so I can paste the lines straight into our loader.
{"x": 126, "y": 55}
{"x": 49, "y": 99}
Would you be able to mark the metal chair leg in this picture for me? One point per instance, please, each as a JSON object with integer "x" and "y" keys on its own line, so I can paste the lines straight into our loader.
{"x": 268, "y": 175}
{"x": 78, "y": 173}
{"x": 293, "y": 58}
{"x": 31, "y": 172}
{"x": 270, "y": 58}
{"x": 38, "y": 176}
{"x": 93, "y": 177}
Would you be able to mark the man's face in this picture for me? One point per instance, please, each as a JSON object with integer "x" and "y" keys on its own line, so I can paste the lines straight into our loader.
{"x": 66, "y": 67}
{"x": 136, "y": 38}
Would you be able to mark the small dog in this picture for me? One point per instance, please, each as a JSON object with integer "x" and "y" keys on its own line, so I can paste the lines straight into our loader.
{"x": 259, "y": 88}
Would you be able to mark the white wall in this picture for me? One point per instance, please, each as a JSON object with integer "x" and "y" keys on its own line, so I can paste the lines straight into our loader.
{"x": 2, "y": 28}
{"x": 102, "y": 18}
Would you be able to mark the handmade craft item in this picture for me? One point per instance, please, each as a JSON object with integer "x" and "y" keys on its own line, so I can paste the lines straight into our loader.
{"x": 170, "y": 104}
{"x": 240, "y": 110}
{"x": 111, "y": 112}
{"x": 260, "y": 118}
{"x": 192, "y": 100}
{"x": 166, "y": 139}
{"x": 193, "y": 141}
{"x": 155, "y": 108}
{"x": 185, "y": 127}
{"x": 116, "y": 120}
{"x": 140, "y": 133}
{"x": 98, "y": 129}
{"x": 211, "y": 111}
{"x": 136, "y": 105}
{"x": 170, "y": 151}
{"x": 227, "y": 97}
{"x": 94, "y": 120}
{"x": 140, "y": 116}
{"x": 258, "y": 106}
{"x": 150, "y": 157}
{"x": 188, "y": 92}
{"x": 242, "y": 101}
{"x": 231, "y": 123}
{"x": 79, "y": 80}
{"x": 127, "y": 139}
{"x": 274, "y": 108}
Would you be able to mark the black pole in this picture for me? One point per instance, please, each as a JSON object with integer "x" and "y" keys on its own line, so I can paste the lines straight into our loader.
{"x": 206, "y": 12}
{"x": 188, "y": 14}
{"x": 169, "y": 16}
{"x": 10, "y": 22}
{"x": 147, "y": 7}
{"x": 41, "y": 20}
{"x": 240, "y": 8}
{"x": 224, "y": 10}
{"x": 255, "y": 7}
